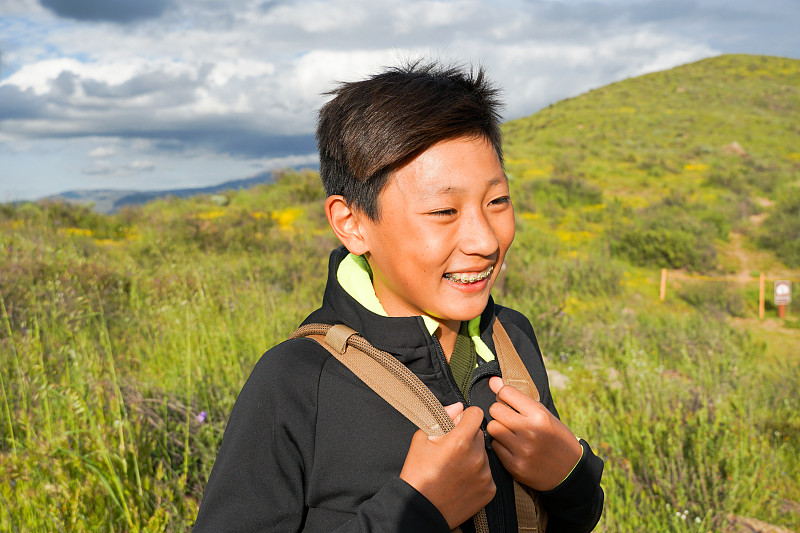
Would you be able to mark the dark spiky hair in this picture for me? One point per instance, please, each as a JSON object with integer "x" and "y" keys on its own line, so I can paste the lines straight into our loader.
{"x": 375, "y": 126}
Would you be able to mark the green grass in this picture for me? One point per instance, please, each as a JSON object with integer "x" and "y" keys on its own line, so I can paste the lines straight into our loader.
{"x": 118, "y": 332}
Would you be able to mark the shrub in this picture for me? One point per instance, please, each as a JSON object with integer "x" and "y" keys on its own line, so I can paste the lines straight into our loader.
{"x": 661, "y": 247}
{"x": 558, "y": 192}
{"x": 716, "y": 298}
{"x": 672, "y": 234}
{"x": 780, "y": 232}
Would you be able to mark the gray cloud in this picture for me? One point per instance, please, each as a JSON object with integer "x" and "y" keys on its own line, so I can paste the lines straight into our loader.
{"x": 19, "y": 104}
{"x": 239, "y": 142}
{"x": 766, "y": 27}
{"x": 105, "y": 110}
{"x": 105, "y": 168}
{"x": 161, "y": 87}
{"x": 120, "y": 11}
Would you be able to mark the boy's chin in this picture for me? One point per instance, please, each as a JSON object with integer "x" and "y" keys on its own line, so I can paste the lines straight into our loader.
{"x": 464, "y": 313}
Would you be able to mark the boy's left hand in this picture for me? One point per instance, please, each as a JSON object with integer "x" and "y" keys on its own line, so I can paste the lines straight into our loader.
{"x": 533, "y": 445}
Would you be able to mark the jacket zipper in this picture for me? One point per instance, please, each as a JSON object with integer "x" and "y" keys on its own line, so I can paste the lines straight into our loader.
{"x": 445, "y": 365}
{"x": 497, "y": 500}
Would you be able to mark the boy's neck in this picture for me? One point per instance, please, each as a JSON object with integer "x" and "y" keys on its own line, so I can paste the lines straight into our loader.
{"x": 447, "y": 333}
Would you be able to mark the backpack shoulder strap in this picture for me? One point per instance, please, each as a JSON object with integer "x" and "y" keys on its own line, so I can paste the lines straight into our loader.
{"x": 511, "y": 366}
{"x": 384, "y": 374}
{"x": 530, "y": 516}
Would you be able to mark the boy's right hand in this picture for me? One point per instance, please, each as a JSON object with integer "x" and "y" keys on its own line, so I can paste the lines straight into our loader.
{"x": 452, "y": 471}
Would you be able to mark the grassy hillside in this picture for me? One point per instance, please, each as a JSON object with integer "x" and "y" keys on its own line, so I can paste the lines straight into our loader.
{"x": 717, "y": 140}
{"x": 124, "y": 339}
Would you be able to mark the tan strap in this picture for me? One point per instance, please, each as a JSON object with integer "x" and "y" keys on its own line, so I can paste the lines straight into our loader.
{"x": 384, "y": 374}
{"x": 530, "y": 517}
{"x": 337, "y": 337}
{"x": 511, "y": 366}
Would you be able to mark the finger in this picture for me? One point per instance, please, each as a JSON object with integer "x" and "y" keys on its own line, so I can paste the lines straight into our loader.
{"x": 506, "y": 415}
{"x": 454, "y": 411}
{"x": 469, "y": 423}
{"x": 501, "y": 433}
{"x": 495, "y": 383}
{"x": 515, "y": 398}
{"x": 420, "y": 435}
{"x": 503, "y": 453}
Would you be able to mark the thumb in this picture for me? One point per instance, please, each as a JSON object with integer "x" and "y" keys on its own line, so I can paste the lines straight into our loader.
{"x": 495, "y": 383}
{"x": 454, "y": 410}
{"x": 469, "y": 421}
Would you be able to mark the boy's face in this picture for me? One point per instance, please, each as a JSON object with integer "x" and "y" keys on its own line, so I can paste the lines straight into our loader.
{"x": 446, "y": 222}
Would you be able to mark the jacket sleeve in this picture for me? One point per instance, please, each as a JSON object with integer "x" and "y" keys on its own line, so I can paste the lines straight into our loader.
{"x": 576, "y": 504}
{"x": 258, "y": 481}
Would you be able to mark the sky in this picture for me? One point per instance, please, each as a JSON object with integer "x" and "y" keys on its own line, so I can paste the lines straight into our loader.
{"x": 165, "y": 94}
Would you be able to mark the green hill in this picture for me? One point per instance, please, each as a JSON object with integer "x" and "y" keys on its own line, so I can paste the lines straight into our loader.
{"x": 672, "y": 129}
{"x": 125, "y": 338}
{"x": 719, "y": 139}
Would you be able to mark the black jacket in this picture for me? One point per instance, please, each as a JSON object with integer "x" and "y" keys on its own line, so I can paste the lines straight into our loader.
{"x": 309, "y": 447}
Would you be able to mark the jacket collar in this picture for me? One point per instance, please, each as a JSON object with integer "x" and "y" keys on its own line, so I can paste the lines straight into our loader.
{"x": 409, "y": 338}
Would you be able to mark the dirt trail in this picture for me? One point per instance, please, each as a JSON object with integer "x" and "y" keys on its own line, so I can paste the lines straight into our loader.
{"x": 743, "y": 274}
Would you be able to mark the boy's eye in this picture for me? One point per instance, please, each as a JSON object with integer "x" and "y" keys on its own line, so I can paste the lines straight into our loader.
{"x": 443, "y": 212}
{"x": 502, "y": 200}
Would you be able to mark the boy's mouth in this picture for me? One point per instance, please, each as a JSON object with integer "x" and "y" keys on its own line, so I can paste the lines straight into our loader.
{"x": 470, "y": 278}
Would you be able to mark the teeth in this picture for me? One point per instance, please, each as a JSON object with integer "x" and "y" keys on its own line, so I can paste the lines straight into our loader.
{"x": 470, "y": 278}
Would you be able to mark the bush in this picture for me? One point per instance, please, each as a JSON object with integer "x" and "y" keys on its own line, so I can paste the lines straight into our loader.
{"x": 716, "y": 298}
{"x": 781, "y": 230}
{"x": 748, "y": 178}
{"x": 663, "y": 247}
{"x": 557, "y": 192}
{"x": 672, "y": 234}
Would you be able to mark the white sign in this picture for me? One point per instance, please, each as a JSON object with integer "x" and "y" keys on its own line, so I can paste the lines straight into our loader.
{"x": 783, "y": 292}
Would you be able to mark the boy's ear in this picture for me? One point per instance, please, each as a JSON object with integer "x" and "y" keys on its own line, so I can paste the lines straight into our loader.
{"x": 346, "y": 224}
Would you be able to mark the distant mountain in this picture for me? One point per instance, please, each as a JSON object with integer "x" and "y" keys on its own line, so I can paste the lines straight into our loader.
{"x": 110, "y": 201}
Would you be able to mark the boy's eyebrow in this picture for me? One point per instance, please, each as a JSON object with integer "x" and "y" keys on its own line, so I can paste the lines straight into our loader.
{"x": 449, "y": 189}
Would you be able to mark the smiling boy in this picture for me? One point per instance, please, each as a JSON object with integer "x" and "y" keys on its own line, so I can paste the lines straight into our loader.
{"x": 411, "y": 160}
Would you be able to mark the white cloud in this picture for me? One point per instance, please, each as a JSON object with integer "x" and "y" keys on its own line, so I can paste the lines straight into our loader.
{"x": 106, "y": 168}
{"x": 288, "y": 162}
{"x": 317, "y": 17}
{"x": 102, "y": 152}
{"x": 409, "y": 17}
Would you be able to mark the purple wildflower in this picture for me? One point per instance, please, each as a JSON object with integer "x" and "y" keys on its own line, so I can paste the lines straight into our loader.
{"x": 201, "y": 417}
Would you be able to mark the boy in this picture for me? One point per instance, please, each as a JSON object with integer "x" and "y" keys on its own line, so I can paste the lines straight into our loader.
{"x": 411, "y": 160}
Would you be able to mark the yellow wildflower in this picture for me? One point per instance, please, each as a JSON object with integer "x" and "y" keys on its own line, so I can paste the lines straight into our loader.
{"x": 210, "y": 215}
{"x": 697, "y": 167}
{"x": 82, "y": 232}
{"x": 286, "y": 217}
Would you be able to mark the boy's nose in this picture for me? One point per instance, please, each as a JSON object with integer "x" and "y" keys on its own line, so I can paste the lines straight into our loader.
{"x": 478, "y": 236}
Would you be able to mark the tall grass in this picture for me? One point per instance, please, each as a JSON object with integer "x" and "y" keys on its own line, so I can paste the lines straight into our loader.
{"x": 121, "y": 357}
{"x": 119, "y": 364}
